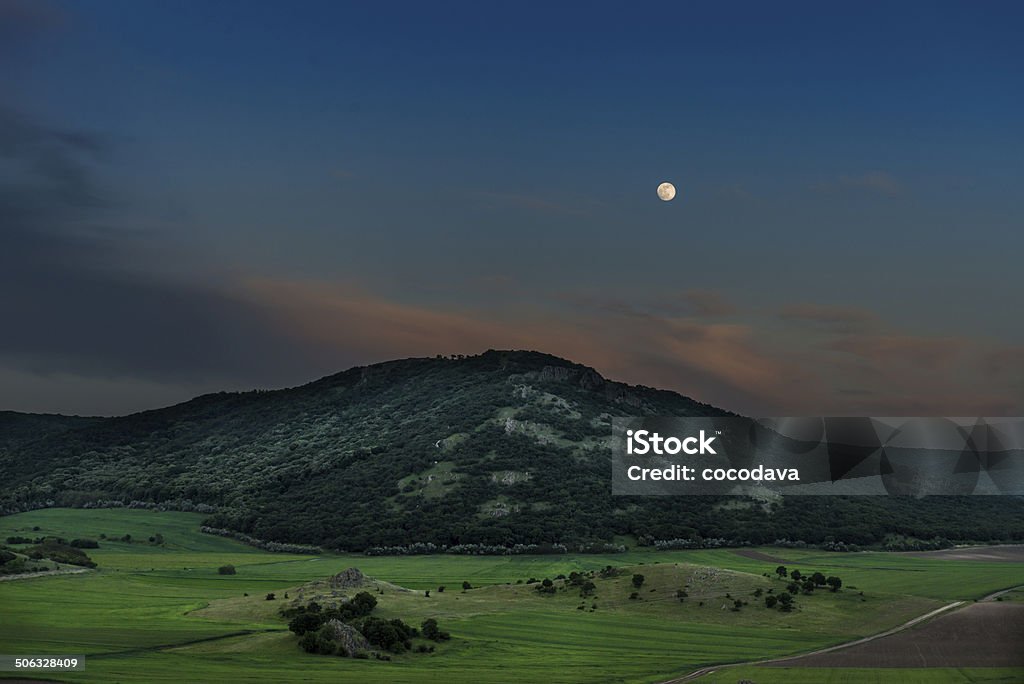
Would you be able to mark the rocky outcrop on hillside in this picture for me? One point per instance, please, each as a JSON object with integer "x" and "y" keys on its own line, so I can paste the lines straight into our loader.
{"x": 346, "y": 636}
{"x": 347, "y": 579}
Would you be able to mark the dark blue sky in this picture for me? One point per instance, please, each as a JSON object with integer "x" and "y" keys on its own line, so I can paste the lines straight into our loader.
{"x": 208, "y": 195}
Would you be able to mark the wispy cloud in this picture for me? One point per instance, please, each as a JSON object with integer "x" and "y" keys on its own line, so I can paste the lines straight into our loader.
{"x": 709, "y": 303}
{"x": 834, "y": 318}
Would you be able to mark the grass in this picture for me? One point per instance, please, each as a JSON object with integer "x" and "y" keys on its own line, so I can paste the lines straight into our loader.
{"x": 154, "y": 613}
{"x": 867, "y": 675}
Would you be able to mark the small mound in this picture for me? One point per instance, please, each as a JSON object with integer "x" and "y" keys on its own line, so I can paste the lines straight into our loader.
{"x": 347, "y": 579}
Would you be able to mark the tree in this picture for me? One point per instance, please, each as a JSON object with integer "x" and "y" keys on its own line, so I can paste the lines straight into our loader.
{"x": 796, "y": 575}
{"x": 466, "y": 586}
{"x": 270, "y": 596}
{"x": 758, "y": 592}
{"x": 588, "y": 588}
{"x": 547, "y": 583}
{"x": 834, "y": 582}
{"x": 819, "y": 579}
{"x": 361, "y": 604}
{"x": 84, "y": 543}
{"x": 431, "y": 631}
{"x": 305, "y": 622}
{"x": 226, "y": 570}
{"x": 781, "y": 571}
{"x": 808, "y": 585}
{"x": 638, "y": 580}
{"x": 440, "y": 589}
{"x": 770, "y": 601}
{"x": 308, "y": 642}
{"x": 785, "y": 602}
{"x": 681, "y": 594}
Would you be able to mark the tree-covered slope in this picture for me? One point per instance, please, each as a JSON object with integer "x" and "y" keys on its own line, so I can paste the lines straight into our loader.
{"x": 21, "y": 428}
{"x": 501, "y": 448}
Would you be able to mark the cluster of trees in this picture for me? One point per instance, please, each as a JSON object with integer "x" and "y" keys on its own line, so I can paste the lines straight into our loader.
{"x": 53, "y": 549}
{"x": 546, "y": 587}
{"x": 173, "y": 505}
{"x": 807, "y": 583}
{"x": 77, "y": 543}
{"x": 11, "y": 563}
{"x": 316, "y": 627}
{"x": 426, "y": 548}
{"x": 784, "y": 600}
{"x": 896, "y": 542}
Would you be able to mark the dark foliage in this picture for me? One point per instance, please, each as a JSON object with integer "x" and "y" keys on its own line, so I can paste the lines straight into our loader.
{"x": 274, "y": 465}
{"x": 52, "y": 549}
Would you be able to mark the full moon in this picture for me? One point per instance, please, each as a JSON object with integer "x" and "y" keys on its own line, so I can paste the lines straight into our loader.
{"x": 666, "y": 191}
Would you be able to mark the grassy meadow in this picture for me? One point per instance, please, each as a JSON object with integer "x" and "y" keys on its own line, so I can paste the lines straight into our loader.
{"x": 155, "y": 613}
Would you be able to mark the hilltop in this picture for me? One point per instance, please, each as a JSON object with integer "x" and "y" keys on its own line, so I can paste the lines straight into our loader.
{"x": 503, "y": 448}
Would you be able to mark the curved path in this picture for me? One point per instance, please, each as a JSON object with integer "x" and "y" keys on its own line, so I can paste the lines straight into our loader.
{"x": 696, "y": 674}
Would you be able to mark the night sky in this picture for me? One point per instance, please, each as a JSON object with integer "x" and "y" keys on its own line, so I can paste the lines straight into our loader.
{"x": 197, "y": 196}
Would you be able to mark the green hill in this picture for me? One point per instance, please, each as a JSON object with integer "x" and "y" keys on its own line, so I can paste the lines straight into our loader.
{"x": 17, "y": 429}
{"x": 500, "y": 449}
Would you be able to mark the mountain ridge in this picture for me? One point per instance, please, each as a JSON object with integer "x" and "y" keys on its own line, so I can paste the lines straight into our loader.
{"x": 500, "y": 448}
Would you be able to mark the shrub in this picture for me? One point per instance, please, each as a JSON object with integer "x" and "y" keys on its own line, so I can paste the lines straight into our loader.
{"x": 431, "y": 631}
{"x": 226, "y": 570}
{"x": 305, "y": 622}
{"x": 60, "y": 553}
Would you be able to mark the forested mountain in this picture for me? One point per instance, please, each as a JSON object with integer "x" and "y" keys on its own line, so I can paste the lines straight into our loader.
{"x": 501, "y": 448}
{"x": 20, "y": 428}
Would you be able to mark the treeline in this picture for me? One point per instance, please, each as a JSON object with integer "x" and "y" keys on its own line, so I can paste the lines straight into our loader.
{"x": 77, "y": 543}
{"x": 278, "y": 547}
{"x": 424, "y": 548}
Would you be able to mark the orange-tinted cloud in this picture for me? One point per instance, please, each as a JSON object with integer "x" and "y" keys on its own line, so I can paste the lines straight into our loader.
{"x": 834, "y": 317}
{"x": 713, "y": 362}
{"x": 854, "y": 366}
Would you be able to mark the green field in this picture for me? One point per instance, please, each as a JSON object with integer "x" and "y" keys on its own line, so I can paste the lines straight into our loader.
{"x": 162, "y": 613}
